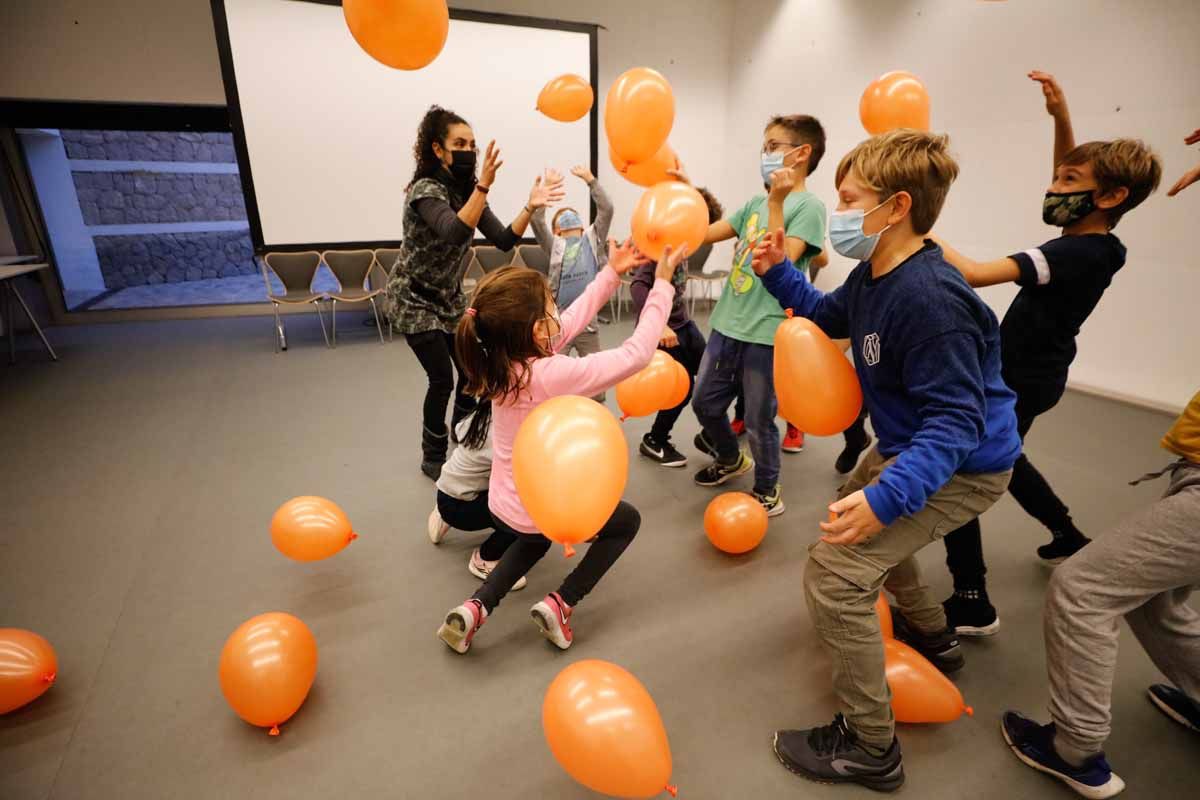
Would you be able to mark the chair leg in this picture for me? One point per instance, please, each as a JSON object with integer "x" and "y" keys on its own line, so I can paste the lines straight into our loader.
{"x": 321, "y": 318}
{"x": 378, "y": 320}
{"x": 333, "y": 313}
{"x": 279, "y": 335}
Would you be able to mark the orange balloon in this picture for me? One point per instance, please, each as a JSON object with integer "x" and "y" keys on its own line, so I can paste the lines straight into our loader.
{"x": 650, "y": 389}
{"x": 267, "y": 667}
{"x": 894, "y": 100}
{"x": 566, "y": 98}
{"x": 885, "y": 617}
{"x": 638, "y": 114}
{"x": 683, "y": 384}
{"x": 566, "y": 443}
{"x": 404, "y": 34}
{"x": 28, "y": 667}
{"x": 817, "y": 387}
{"x": 647, "y": 173}
{"x": 605, "y": 731}
{"x": 920, "y": 692}
{"x": 669, "y": 213}
{"x": 310, "y": 528}
{"x": 735, "y": 522}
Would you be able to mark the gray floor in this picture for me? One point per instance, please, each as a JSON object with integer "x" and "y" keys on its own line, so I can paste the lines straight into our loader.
{"x": 139, "y": 478}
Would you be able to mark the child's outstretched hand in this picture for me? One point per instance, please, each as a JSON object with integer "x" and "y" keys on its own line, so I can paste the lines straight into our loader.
{"x": 1193, "y": 174}
{"x": 1056, "y": 99}
{"x": 768, "y": 252}
{"x": 546, "y": 190}
{"x": 856, "y": 521}
{"x": 625, "y": 256}
{"x": 583, "y": 173}
{"x": 670, "y": 261}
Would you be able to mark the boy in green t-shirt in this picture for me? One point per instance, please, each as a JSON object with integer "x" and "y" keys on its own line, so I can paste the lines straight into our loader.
{"x": 741, "y": 349}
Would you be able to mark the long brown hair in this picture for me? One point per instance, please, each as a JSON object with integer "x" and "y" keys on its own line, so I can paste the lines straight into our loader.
{"x": 495, "y": 340}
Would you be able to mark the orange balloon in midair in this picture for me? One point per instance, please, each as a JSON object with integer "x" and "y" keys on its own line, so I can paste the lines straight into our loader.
{"x": 920, "y": 692}
{"x": 267, "y": 667}
{"x": 566, "y": 98}
{"x": 884, "y": 613}
{"x": 638, "y": 114}
{"x": 649, "y": 172}
{"x": 566, "y": 443}
{"x": 310, "y": 528}
{"x": 404, "y": 34}
{"x": 894, "y": 100}
{"x": 735, "y": 522}
{"x": 605, "y": 731}
{"x": 650, "y": 389}
{"x": 817, "y": 387}
{"x": 28, "y": 667}
{"x": 669, "y": 213}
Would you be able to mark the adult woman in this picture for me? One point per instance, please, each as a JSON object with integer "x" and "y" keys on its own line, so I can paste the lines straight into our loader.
{"x": 444, "y": 204}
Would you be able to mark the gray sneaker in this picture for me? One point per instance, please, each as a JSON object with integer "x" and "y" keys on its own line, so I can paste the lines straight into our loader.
{"x": 717, "y": 473}
{"x": 832, "y": 754}
{"x": 772, "y": 502}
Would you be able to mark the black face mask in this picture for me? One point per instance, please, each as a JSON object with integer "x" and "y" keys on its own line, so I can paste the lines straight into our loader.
{"x": 462, "y": 166}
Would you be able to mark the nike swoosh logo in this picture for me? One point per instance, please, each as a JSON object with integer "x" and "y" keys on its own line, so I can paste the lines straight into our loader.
{"x": 846, "y": 767}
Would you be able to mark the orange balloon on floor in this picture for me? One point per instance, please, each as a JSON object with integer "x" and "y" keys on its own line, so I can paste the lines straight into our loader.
{"x": 647, "y": 173}
{"x": 816, "y": 385}
{"x": 566, "y": 98}
{"x": 669, "y": 214}
{"x": 884, "y": 612}
{"x": 309, "y": 528}
{"x": 267, "y": 667}
{"x": 735, "y": 522}
{"x": 570, "y": 464}
{"x": 920, "y": 692}
{"x": 28, "y": 667}
{"x": 650, "y": 389}
{"x": 605, "y": 731}
{"x": 638, "y": 114}
{"x": 683, "y": 384}
{"x": 404, "y": 34}
{"x": 894, "y": 100}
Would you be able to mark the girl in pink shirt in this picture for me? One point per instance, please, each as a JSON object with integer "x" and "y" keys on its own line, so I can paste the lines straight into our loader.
{"x": 509, "y": 344}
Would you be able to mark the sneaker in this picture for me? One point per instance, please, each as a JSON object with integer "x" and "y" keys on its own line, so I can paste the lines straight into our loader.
{"x": 739, "y": 427}
{"x": 717, "y": 473}
{"x": 794, "y": 441}
{"x": 704, "y": 445}
{"x": 461, "y": 625}
{"x": 1034, "y": 745}
{"x": 971, "y": 614}
{"x": 848, "y": 458}
{"x": 553, "y": 617}
{"x": 1176, "y": 705}
{"x": 1062, "y": 547}
{"x": 664, "y": 453}
{"x": 481, "y": 569}
{"x": 772, "y": 502}
{"x": 437, "y": 527}
{"x": 832, "y": 754}
{"x": 941, "y": 649}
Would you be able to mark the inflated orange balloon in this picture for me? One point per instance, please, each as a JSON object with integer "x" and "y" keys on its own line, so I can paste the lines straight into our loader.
{"x": 669, "y": 213}
{"x": 817, "y": 387}
{"x": 894, "y": 100}
{"x": 920, "y": 692}
{"x": 566, "y": 98}
{"x": 309, "y": 528}
{"x": 650, "y": 389}
{"x": 267, "y": 667}
{"x": 683, "y": 384}
{"x": 605, "y": 731}
{"x": 638, "y": 114}
{"x": 566, "y": 443}
{"x": 404, "y": 34}
{"x": 28, "y": 667}
{"x": 735, "y": 522}
{"x": 649, "y": 172}
{"x": 884, "y": 612}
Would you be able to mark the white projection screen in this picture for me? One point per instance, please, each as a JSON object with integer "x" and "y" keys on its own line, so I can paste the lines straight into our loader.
{"x": 325, "y": 132}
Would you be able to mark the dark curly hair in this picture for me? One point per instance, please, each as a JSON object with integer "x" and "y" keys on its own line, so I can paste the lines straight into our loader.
{"x": 434, "y": 127}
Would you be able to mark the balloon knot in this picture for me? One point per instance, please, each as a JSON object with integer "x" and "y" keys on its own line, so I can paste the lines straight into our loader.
{"x": 970, "y": 711}
{"x": 274, "y": 730}
{"x": 624, "y": 417}
{"x": 672, "y": 790}
{"x": 49, "y": 677}
{"x": 351, "y": 537}
{"x": 568, "y": 551}
{"x": 789, "y": 313}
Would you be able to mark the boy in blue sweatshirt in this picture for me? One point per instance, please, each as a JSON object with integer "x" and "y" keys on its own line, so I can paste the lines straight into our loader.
{"x": 927, "y": 353}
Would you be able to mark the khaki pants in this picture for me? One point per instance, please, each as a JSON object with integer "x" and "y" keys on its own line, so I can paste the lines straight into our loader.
{"x": 586, "y": 343}
{"x": 841, "y": 585}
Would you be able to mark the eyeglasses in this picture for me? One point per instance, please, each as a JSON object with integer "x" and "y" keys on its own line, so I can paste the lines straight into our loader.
{"x": 773, "y": 146}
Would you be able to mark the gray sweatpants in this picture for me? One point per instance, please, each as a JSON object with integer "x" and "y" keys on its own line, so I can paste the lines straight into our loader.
{"x": 586, "y": 343}
{"x": 1144, "y": 570}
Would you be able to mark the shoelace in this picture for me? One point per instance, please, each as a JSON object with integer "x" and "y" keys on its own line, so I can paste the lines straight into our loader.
{"x": 831, "y": 738}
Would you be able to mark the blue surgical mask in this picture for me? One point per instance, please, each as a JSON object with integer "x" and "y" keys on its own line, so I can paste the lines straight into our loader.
{"x": 770, "y": 163}
{"x": 847, "y": 236}
{"x": 568, "y": 220}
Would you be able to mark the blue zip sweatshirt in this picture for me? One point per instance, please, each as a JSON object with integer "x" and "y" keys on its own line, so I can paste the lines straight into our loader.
{"x": 927, "y": 353}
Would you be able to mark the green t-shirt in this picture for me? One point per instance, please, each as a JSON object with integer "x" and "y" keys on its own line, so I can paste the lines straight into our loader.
{"x": 747, "y": 311}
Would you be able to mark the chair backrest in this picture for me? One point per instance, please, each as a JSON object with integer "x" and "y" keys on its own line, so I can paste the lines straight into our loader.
{"x": 492, "y": 258}
{"x": 349, "y": 267}
{"x": 696, "y": 261}
{"x": 472, "y": 273}
{"x": 385, "y": 261}
{"x": 534, "y": 257}
{"x": 295, "y": 270}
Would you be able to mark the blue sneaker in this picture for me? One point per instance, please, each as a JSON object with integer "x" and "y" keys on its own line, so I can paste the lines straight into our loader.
{"x": 1034, "y": 745}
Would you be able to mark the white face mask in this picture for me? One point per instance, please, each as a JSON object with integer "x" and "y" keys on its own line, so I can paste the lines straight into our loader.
{"x": 847, "y": 236}
{"x": 554, "y": 340}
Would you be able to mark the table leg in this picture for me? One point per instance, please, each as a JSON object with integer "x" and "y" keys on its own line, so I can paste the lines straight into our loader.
{"x": 32, "y": 321}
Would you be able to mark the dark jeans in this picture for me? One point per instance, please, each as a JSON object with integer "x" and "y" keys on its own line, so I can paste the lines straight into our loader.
{"x": 729, "y": 364}
{"x": 473, "y": 515}
{"x": 964, "y": 546}
{"x": 529, "y": 548}
{"x": 435, "y": 351}
{"x": 689, "y": 352}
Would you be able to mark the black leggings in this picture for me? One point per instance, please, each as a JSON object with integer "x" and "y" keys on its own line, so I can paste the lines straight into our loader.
{"x": 435, "y": 351}
{"x": 473, "y": 515}
{"x": 529, "y": 548}
{"x": 689, "y": 352}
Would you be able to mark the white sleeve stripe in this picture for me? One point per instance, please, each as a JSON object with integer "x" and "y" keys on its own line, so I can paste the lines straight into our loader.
{"x": 1040, "y": 264}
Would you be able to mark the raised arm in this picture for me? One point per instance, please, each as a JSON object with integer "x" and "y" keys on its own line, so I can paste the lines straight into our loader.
{"x": 980, "y": 273}
{"x": 1056, "y": 107}
{"x": 472, "y": 210}
{"x": 1193, "y": 174}
{"x": 604, "y": 205}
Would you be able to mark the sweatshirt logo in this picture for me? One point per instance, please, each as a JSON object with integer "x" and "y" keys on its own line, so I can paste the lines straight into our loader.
{"x": 871, "y": 349}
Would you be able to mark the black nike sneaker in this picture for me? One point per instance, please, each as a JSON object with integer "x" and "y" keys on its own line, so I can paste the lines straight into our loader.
{"x": 832, "y": 754}
{"x": 942, "y": 649}
{"x": 662, "y": 452}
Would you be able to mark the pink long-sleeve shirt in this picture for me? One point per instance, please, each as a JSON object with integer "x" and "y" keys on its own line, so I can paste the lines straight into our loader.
{"x": 558, "y": 375}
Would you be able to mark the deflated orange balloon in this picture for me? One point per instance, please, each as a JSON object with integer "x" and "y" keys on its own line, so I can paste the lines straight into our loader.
{"x": 669, "y": 214}
{"x": 650, "y": 389}
{"x": 638, "y": 114}
{"x": 605, "y": 731}
{"x": 649, "y": 172}
{"x": 920, "y": 692}
{"x": 28, "y": 667}
{"x": 566, "y": 98}
{"x": 884, "y": 613}
{"x": 817, "y": 387}
{"x": 570, "y": 464}
{"x": 267, "y": 667}
{"x": 683, "y": 384}
{"x": 404, "y": 34}
{"x": 310, "y": 528}
{"x": 894, "y": 100}
{"x": 735, "y": 522}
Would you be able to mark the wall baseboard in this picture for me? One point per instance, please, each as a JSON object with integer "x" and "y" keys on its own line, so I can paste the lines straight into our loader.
{"x": 1127, "y": 399}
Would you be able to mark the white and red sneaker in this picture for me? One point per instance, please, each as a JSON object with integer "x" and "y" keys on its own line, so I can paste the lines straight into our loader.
{"x": 553, "y": 616}
{"x": 794, "y": 441}
{"x": 437, "y": 527}
{"x": 480, "y": 568}
{"x": 461, "y": 625}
